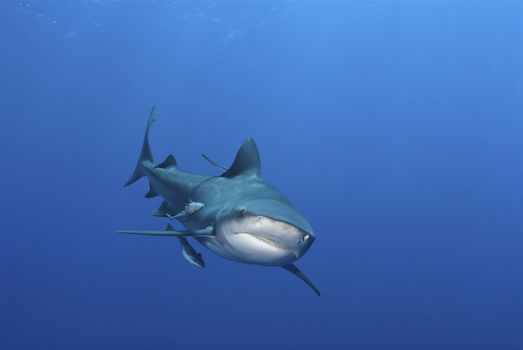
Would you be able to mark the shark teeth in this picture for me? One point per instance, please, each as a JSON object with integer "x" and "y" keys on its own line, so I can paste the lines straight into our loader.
{"x": 266, "y": 241}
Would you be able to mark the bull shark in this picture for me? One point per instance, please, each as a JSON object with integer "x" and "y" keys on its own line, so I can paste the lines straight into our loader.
{"x": 238, "y": 215}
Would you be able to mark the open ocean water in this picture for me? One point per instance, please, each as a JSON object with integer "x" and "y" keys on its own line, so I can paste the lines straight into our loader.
{"x": 394, "y": 126}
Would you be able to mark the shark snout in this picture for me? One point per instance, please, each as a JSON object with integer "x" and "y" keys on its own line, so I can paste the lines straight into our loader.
{"x": 304, "y": 244}
{"x": 306, "y": 239}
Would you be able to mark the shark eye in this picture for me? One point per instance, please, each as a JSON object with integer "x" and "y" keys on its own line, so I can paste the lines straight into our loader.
{"x": 242, "y": 212}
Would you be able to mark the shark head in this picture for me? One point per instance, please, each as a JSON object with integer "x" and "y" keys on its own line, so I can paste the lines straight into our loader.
{"x": 265, "y": 232}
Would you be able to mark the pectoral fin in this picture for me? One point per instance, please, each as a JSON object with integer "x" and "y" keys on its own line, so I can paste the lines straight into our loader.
{"x": 163, "y": 210}
{"x": 296, "y": 271}
{"x": 151, "y": 194}
{"x": 188, "y": 252}
{"x": 191, "y": 255}
{"x": 205, "y": 232}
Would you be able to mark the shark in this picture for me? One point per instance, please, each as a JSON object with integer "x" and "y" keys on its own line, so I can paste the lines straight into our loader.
{"x": 237, "y": 214}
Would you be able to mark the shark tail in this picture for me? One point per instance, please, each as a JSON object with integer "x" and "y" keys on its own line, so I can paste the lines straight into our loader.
{"x": 145, "y": 154}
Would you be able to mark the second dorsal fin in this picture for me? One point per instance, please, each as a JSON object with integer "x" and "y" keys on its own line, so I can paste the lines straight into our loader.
{"x": 168, "y": 163}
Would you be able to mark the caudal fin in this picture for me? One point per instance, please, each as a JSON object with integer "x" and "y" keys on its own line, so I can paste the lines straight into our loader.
{"x": 145, "y": 154}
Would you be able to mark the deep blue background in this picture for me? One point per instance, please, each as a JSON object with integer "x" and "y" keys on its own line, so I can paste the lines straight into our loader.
{"x": 396, "y": 127}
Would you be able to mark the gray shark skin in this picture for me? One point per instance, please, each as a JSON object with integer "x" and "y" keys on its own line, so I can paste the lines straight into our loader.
{"x": 243, "y": 218}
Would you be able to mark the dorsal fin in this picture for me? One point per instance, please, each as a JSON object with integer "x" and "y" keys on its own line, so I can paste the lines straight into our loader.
{"x": 247, "y": 161}
{"x": 168, "y": 163}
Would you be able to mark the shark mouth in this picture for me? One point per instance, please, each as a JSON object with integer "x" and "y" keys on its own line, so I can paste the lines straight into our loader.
{"x": 267, "y": 241}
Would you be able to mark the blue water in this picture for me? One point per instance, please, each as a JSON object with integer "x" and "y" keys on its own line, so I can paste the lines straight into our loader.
{"x": 396, "y": 127}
